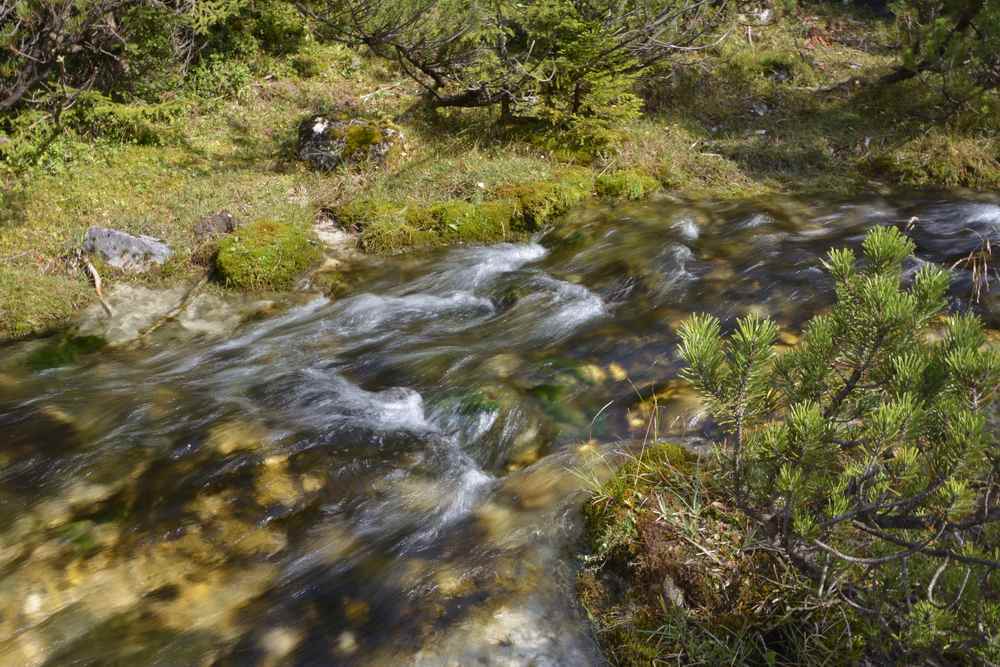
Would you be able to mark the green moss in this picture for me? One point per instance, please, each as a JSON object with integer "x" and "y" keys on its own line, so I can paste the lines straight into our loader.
{"x": 331, "y": 283}
{"x": 388, "y": 228}
{"x": 539, "y": 202}
{"x": 64, "y": 352}
{"x": 387, "y": 235}
{"x": 632, "y": 184}
{"x": 360, "y": 137}
{"x": 266, "y": 255}
{"x": 478, "y": 401}
{"x": 466, "y": 222}
{"x": 938, "y": 160}
{"x": 361, "y": 212}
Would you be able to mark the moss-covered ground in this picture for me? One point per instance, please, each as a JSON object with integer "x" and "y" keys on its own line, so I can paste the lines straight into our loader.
{"x": 753, "y": 117}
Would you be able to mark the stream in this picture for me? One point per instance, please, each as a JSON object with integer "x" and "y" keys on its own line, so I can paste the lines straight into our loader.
{"x": 394, "y": 477}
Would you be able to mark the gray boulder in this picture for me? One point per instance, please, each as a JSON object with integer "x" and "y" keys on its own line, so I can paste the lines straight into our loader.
{"x": 124, "y": 251}
{"x": 326, "y": 143}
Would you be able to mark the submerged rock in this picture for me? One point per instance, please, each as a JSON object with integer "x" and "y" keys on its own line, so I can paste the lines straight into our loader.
{"x": 326, "y": 143}
{"x": 530, "y": 616}
{"x": 138, "y": 309}
{"x": 125, "y": 251}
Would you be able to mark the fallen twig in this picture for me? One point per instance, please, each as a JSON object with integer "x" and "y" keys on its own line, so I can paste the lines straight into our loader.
{"x": 96, "y": 277}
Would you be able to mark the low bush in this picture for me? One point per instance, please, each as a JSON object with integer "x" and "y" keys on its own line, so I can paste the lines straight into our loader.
{"x": 865, "y": 457}
{"x": 671, "y": 579}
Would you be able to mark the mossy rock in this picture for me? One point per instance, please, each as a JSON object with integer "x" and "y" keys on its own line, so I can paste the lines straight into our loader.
{"x": 388, "y": 235}
{"x": 359, "y": 213}
{"x": 32, "y": 303}
{"x": 539, "y": 202}
{"x": 266, "y": 255}
{"x": 388, "y": 227}
{"x": 331, "y": 283}
{"x": 327, "y": 143}
{"x": 630, "y": 184}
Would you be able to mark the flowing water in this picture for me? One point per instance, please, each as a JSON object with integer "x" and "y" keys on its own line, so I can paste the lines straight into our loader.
{"x": 393, "y": 477}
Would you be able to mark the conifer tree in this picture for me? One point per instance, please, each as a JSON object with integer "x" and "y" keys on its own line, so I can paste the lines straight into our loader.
{"x": 867, "y": 454}
{"x": 560, "y": 60}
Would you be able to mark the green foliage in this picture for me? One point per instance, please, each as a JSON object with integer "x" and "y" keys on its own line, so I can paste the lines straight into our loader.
{"x": 673, "y": 577}
{"x": 220, "y": 77}
{"x": 33, "y": 303}
{"x": 940, "y": 160}
{"x": 465, "y": 221}
{"x": 266, "y": 255}
{"x": 513, "y": 211}
{"x": 956, "y": 45}
{"x": 865, "y": 450}
{"x": 306, "y": 66}
{"x": 567, "y": 63}
{"x": 141, "y": 123}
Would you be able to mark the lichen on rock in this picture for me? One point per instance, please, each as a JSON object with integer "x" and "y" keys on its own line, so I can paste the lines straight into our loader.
{"x": 327, "y": 142}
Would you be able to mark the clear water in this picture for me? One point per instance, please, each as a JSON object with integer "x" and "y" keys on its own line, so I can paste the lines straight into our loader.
{"x": 394, "y": 477}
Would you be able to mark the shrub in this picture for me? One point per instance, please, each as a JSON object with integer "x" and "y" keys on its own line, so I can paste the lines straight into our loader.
{"x": 278, "y": 26}
{"x": 956, "y": 45}
{"x": 307, "y": 66}
{"x": 693, "y": 592}
{"x": 266, "y": 255}
{"x": 220, "y": 77}
{"x": 137, "y": 123}
{"x": 864, "y": 454}
{"x": 561, "y": 61}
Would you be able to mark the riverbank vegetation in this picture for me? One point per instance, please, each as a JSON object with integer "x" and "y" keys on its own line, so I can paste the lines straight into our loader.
{"x": 849, "y": 512}
{"x": 147, "y": 116}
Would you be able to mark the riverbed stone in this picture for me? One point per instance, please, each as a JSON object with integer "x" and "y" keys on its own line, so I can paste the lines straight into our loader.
{"x": 136, "y": 309}
{"x": 235, "y": 435}
{"x": 125, "y": 251}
